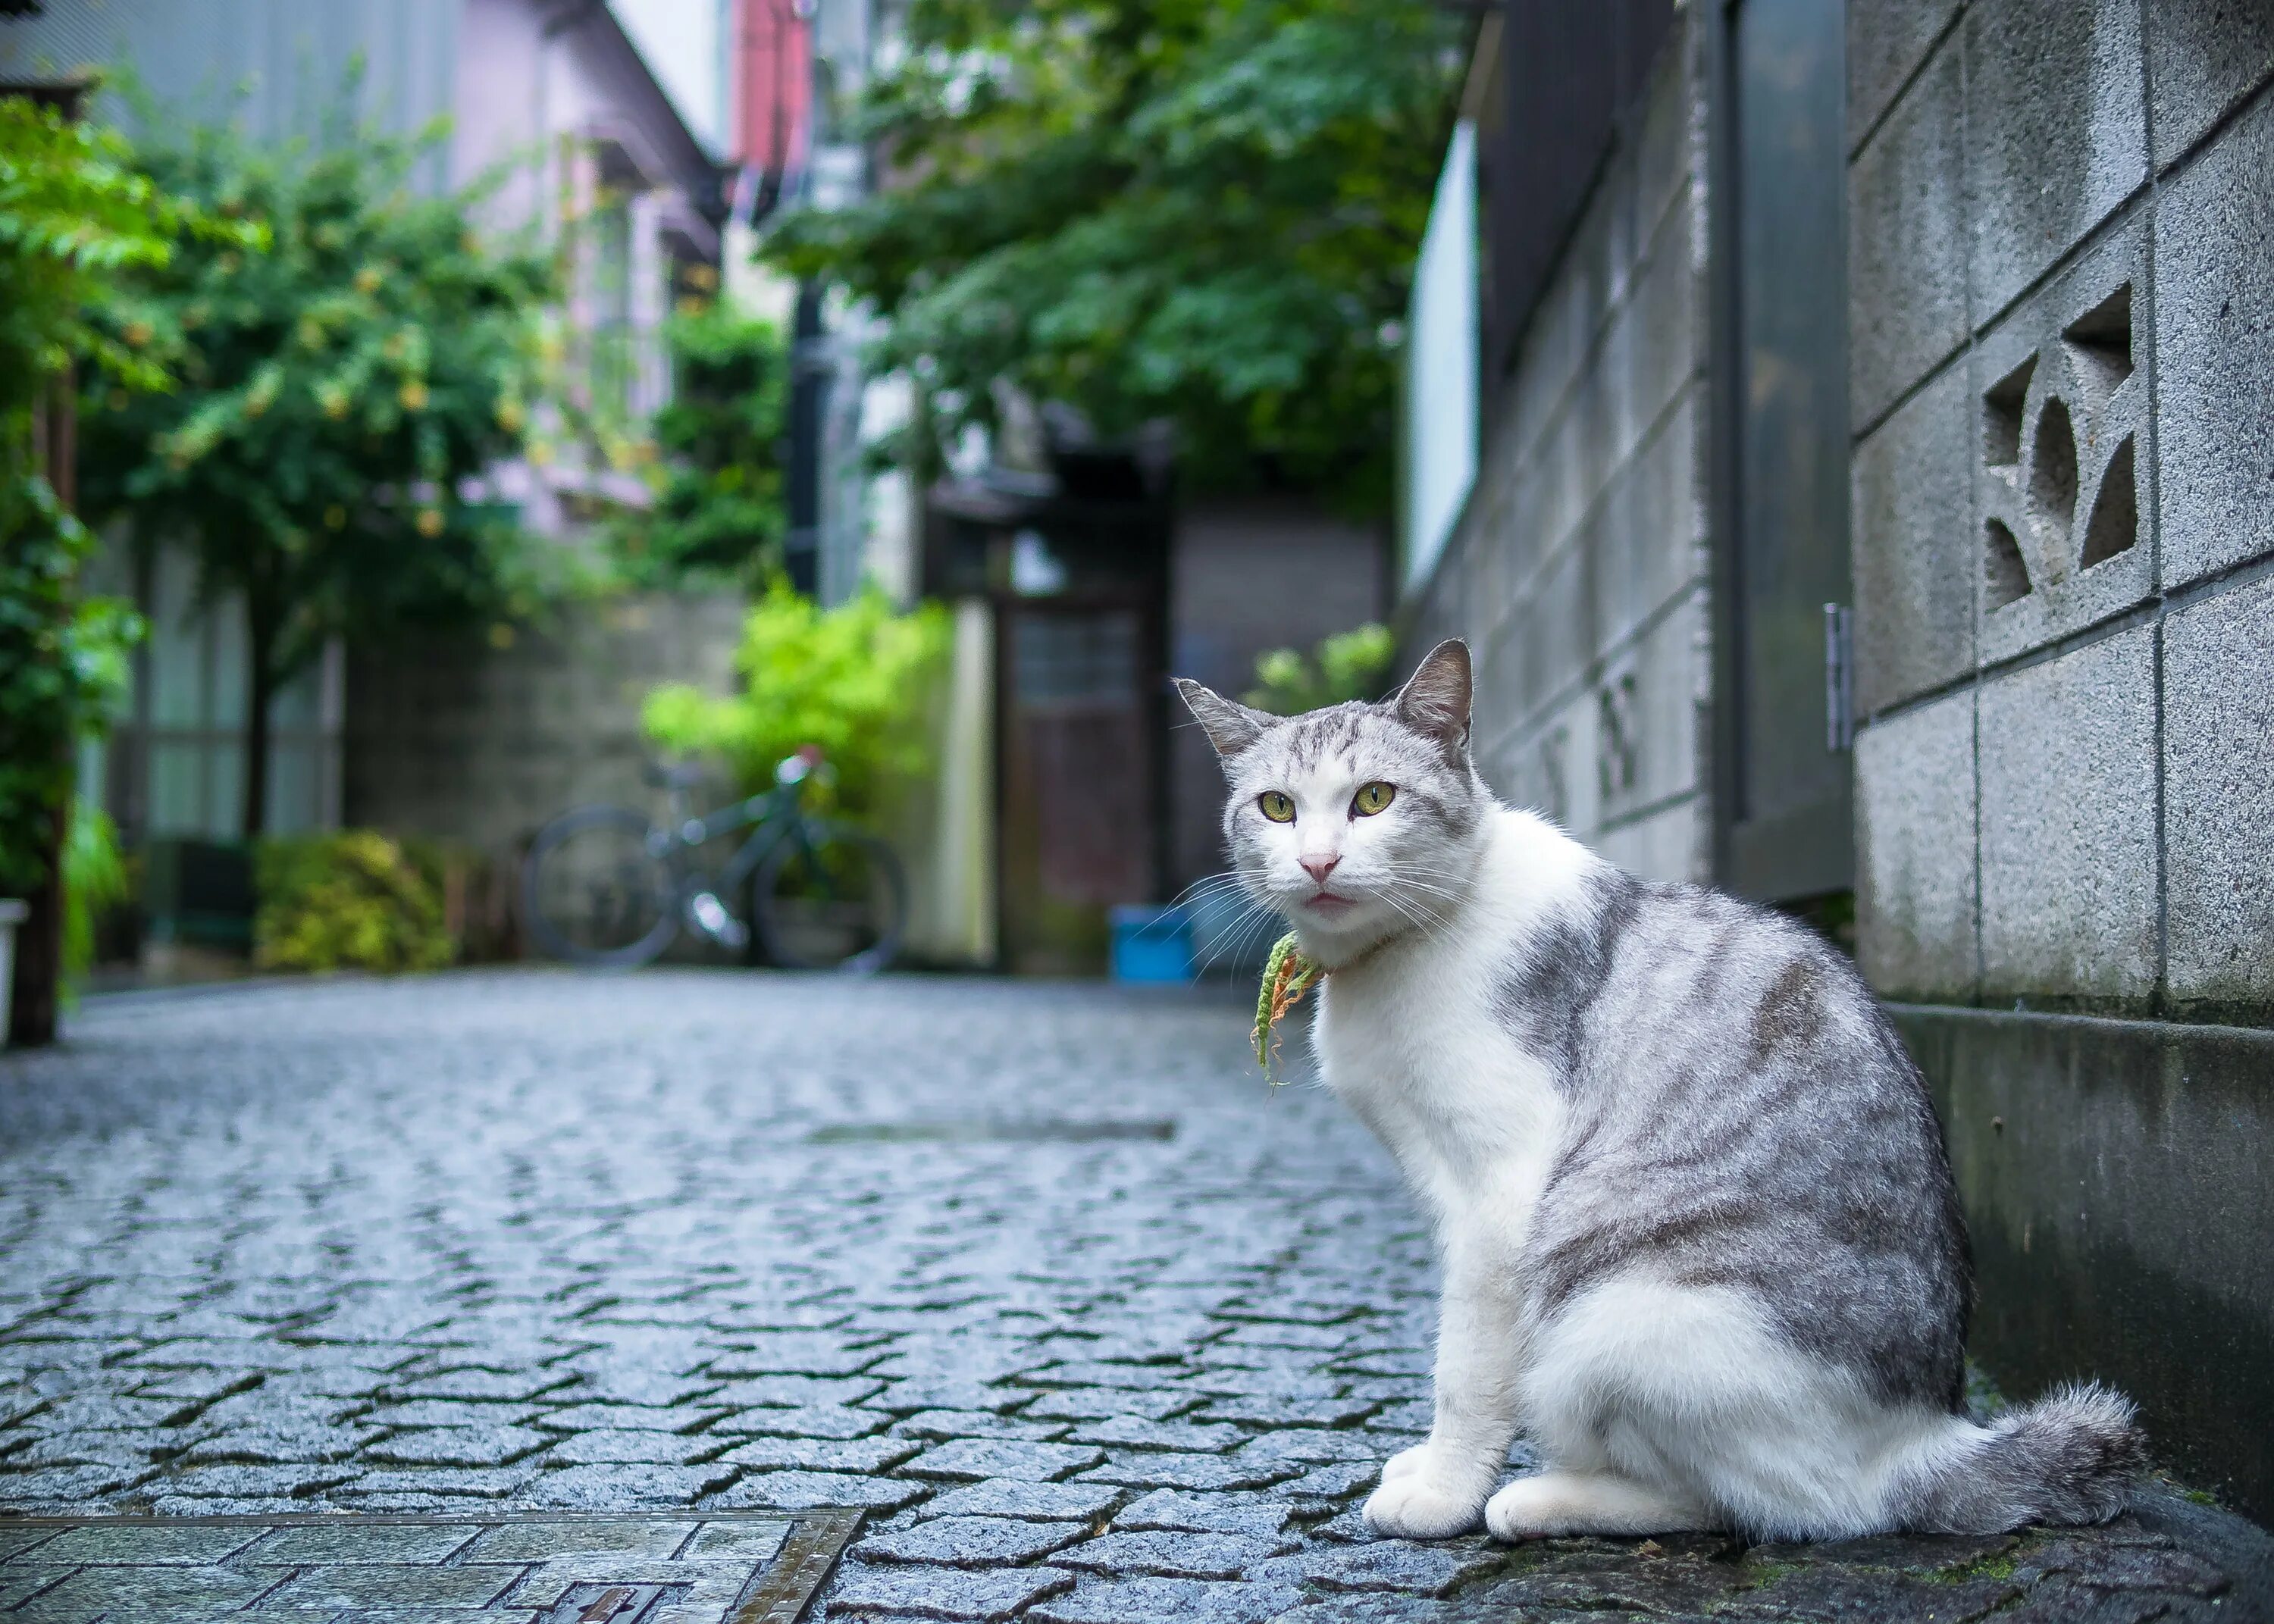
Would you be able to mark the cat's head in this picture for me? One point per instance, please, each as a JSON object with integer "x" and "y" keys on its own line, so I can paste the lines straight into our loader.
{"x": 1360, "y": 821}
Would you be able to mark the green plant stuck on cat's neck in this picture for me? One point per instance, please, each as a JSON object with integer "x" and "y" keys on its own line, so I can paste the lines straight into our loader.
{"x": 1288, "y": 974}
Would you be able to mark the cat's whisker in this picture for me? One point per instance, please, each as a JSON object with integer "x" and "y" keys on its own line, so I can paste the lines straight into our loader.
{"x": 1234, "y": 939}
{"x": 1238, "y": 956}
{"x": 1430, "y": 929}
{"x": 1209, "y": 886}
{"x": 1406, "y": 882}
{"x": 1264, "y": 926}
{"x": 1218, "y": 946}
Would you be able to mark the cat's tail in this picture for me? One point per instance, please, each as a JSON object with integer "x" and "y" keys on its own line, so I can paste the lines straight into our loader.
{"x": 2069, "y": 1458}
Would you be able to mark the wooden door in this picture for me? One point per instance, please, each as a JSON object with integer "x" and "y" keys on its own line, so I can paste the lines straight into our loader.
{"x": 1078, "y": 825}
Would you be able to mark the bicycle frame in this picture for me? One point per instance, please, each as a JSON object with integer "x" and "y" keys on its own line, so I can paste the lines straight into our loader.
{"x": 772, "y": 816}
{"x": 669, "y": 888}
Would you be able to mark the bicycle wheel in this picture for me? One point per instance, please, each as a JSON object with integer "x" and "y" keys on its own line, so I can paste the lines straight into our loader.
{"x": 829, "y": 897}
{"x": 598, "y": 889}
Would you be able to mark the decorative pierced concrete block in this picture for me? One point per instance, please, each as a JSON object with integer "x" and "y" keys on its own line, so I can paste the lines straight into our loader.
{"x": 2064, "y": 438}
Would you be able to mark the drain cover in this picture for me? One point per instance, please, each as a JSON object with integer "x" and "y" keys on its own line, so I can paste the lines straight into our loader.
{"x": 984, "y": 1131}
{"x": 500, "y": 1568}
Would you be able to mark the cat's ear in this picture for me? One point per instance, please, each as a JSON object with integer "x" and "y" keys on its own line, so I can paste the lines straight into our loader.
{"x": 1230, "y": 727}
{"x": 1435, "y": 698}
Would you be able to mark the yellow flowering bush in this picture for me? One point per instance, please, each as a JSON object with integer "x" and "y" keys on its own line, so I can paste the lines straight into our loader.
{"x": 353, "y": 900}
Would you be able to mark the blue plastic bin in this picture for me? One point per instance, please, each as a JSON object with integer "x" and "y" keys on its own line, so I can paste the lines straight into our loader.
{"x": 1152, "y": 945}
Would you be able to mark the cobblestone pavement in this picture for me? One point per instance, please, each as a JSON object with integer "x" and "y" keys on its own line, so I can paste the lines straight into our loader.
{"x": 1095, "y": 1326}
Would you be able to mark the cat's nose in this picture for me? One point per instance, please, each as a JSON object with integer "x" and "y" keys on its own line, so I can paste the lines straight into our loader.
{"x": 1318, "y": 868}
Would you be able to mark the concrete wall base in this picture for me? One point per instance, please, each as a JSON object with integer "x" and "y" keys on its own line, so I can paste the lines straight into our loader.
{"x": 2115, "y": 1177}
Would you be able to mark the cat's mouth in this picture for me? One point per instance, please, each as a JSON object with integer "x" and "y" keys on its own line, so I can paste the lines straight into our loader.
{"x": 1327, "y": 903}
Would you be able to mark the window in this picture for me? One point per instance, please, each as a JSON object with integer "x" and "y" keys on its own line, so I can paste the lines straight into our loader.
{"x": 1440, "y": 364}
{"x": 180, "y": 755}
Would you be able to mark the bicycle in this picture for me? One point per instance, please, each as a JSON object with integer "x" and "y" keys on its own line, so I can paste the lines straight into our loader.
{"x": 606, "y": 887}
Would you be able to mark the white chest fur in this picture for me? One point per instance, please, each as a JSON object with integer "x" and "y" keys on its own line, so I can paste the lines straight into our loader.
{"x": 1409, "y": 1039}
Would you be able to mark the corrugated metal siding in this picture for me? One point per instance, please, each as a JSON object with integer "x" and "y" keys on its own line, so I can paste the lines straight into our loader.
{"x": 1566, "y": 81}
{"x": 69, "y": 36}
{"x": 281, "y": 63}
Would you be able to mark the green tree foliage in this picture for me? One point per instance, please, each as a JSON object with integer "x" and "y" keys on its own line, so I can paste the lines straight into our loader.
{"x": 1201, "y": 209}
{"x": 1347, "y": 666}
{"x": 718, "y": 510}
{"x": 74, "y": 217}
{"x": 337, "y": 393}
{"x": 854, "y": 683}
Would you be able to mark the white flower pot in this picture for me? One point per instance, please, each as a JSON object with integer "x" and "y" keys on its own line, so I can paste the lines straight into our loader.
{"x": 11, "y": 915}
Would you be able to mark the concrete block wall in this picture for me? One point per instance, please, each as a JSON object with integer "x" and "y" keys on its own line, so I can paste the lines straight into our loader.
{"x": 1579, "y": 572}
{"x": 2062, "y": 400}
{"x": 2061, "y": 224}
{"x": 463, "y": 740}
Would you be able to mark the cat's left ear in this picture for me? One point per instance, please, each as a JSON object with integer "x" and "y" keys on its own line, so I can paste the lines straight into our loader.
{"x": 1231, "y": 726}
{"x": 1435, "y": 698}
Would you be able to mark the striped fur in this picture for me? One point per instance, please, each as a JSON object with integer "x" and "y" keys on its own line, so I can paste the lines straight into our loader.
{"x": 1700, "y": 1236}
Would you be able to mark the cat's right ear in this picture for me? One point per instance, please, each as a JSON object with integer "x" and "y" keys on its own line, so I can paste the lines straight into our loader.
{"x": 1434, "y": 701}
{"x": 1231, "y": 727}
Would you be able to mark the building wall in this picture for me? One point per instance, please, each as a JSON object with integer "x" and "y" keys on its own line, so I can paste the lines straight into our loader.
{"x": 277, "y": 65}
{"x": 480, "y": 741}
{"x": 1579, "y": 571}
{"x": 689, "y": 45}
{"x": 469, "y": 741}
{"x": 592, "y": 154}
{"x": 1248, "y": 576}
{"x": 774, "y": 73}
{"x": 2062, "y": 398}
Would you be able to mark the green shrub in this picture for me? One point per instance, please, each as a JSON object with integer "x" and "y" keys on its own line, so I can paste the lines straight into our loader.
{"x": 64, "y": 662}
{"x": 1347, "y": 666}
{"x": 854, "y": 682}
{"x": 351, "y": 901}
{"x": 95, "y": 878}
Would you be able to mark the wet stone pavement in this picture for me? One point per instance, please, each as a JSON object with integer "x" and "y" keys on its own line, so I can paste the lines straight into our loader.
{"x": 1095, "y": 1327}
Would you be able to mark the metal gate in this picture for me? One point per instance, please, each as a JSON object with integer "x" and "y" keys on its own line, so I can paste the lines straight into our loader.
{"x": 1785, "y": 830}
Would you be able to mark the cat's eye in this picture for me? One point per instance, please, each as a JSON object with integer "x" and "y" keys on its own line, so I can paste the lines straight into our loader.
{"x": 1280, "y": 808}
{"x": 1371, "y": 798}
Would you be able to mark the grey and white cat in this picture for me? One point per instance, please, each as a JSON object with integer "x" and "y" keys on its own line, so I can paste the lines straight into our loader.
{"x": 1698, "y": 1233}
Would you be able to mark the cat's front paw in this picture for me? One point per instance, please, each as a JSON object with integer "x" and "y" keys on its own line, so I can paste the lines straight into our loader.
{"x": 1529, "y": 1508}
{"x": 1416, "y": 1506}
{"x": 1404, "y": 1462}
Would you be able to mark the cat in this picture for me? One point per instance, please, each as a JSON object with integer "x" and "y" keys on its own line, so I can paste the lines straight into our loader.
{"x": 1698, "y": 1234}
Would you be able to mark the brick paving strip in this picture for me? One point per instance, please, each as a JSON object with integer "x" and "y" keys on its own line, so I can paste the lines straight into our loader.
{"x": 1091, "y": 1327}
{"x": 532, "y": 1567}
